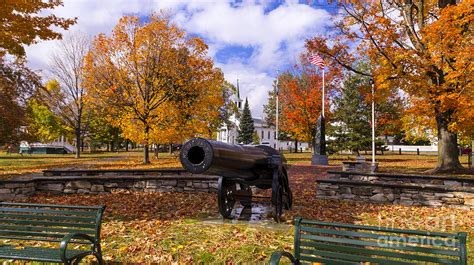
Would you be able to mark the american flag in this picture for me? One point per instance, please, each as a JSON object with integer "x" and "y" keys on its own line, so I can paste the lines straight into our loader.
{"x": 316, "y": 60}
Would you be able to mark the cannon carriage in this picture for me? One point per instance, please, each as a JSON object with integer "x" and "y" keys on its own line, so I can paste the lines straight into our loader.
{"x": 240, "y": 168}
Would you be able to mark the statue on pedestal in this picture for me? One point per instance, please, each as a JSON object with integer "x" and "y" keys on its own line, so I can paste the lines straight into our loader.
{"x": 319, "y": 156}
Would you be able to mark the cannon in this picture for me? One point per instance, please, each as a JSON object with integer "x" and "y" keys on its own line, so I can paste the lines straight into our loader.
{"x": 240, "y": 168}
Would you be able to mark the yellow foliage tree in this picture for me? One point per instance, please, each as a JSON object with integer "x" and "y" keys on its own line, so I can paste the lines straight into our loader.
{"x": 156, "y": 84}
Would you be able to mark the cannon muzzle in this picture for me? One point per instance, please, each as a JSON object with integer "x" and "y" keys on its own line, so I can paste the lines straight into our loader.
{"x": 200, "y": 155}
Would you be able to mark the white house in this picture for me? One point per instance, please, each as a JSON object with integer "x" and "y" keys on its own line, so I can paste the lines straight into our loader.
{"x": 266, "y": 134}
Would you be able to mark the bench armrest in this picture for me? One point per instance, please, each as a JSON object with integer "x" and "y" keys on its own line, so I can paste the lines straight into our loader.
{"x": 276, "y": 257}
{"x": 67, "y": 239}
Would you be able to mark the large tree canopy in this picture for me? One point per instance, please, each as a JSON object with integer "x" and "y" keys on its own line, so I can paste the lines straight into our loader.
{"x": 154, "y": 83}
{"x": 421, "y": 47}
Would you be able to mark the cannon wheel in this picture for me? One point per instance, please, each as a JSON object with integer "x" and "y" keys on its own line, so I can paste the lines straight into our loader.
{"x": 247, "y": 192}
{"x": 288, "y": 198}
{"x": 224, "y": 197}
{"x": 277, "y": 195}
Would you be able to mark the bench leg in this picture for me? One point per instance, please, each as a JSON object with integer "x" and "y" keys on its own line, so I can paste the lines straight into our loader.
{"x": 98, "y": 256}
{"x": 77, "y": 259}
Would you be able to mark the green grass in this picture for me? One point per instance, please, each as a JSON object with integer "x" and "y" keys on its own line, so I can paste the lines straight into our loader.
{"x": 16, "y": 164}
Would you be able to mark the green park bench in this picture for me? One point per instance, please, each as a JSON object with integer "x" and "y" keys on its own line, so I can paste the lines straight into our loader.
{"x": 69, "y": 233}
{"x": 336, "y": 243}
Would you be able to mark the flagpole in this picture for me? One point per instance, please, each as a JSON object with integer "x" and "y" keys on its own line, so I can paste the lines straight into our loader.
{"x": 373, "y": 123}
{"x": 322, "y": 114}
{"x": 276, "y": 114}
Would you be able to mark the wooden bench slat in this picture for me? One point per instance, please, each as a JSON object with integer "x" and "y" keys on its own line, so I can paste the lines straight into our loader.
{"x": 379, "y": 252}
{"x": 47, "y": 211}
{"x": 30, "y": 233}
{"x": 380, "y": 229}
{"x": 376, "y": 244}
{"x": 95, "y": 208}
{"x": 46, "y": 229}
{"x": 327, "y": 261}
{"x": 351, "y": 257}
{"x": 35, "y": 253}
{"x": 433, "y": 241}
{"x": 57, "y": 240}
{"x": 48, "y": 217}
{"x": 45, "y": 223}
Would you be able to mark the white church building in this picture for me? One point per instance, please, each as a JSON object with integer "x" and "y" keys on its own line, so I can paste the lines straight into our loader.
{"x": 266, "y": 134}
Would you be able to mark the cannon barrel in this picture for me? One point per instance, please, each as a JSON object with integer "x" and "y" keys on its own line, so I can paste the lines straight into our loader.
{"x": 200, "y": 155}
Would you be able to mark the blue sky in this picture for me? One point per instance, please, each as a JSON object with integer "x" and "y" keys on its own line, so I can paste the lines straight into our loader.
{"x": 249, "y": 40}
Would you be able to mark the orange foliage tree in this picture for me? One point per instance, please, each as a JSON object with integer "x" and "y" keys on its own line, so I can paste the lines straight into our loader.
{"x": 153, "y": 82}
{"x": 300, "y": 96}
{"x": 421, "y": 47}
{"x": 22, "y": 24}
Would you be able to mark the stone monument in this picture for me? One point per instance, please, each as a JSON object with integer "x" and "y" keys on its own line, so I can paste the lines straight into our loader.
{"x": 320, "y": 157}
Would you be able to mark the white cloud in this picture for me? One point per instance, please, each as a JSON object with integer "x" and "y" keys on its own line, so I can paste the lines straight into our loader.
{"x": 253, "y": 84}
{"x": 276, "y": 36}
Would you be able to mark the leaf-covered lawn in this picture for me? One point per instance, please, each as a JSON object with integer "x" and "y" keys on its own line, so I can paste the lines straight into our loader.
{"x": 185, "y": 227}
{"x": 407, "y": 163}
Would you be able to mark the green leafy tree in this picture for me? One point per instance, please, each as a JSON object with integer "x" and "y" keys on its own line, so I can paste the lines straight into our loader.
{"x": 351, "y": 128}
{"x": 43, "y": 124}
{"x": 256, "y": 138}
{"x": 101, "y": 131}
{"x": 246, "y": 127}
{"x": 270, "y": 108}
{"x": 227, "y": 109}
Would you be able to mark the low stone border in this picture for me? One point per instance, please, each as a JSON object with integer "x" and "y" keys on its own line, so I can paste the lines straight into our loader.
{"x": 158, "y": 181}
{"x": 402, "y": 178}
{"x": 433, "y": 191}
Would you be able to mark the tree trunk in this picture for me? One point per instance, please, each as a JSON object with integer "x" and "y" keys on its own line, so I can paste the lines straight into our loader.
{"x": 146, "y": 153}
{"x": 112, "y": 147}
{"x": 296, "y": 146}
{"x": 155, "y": 151}
{"x": 171, "y": 149}
{"x": 78, "y": 141}
{"x": 126, "y": 145}
{"x": 448, "y": 151}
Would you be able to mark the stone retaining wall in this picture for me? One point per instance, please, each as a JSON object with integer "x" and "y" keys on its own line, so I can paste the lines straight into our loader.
{"x": 178, "y": 181}
{"x": 401, "y": 189}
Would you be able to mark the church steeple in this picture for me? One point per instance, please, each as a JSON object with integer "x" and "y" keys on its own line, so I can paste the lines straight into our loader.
{"x": 238, "y": 90}
{"x": 238, "y": 100}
